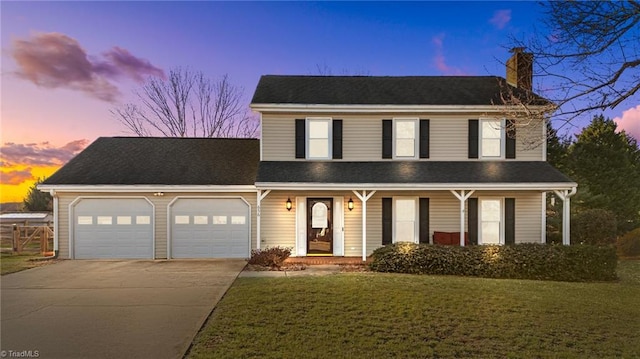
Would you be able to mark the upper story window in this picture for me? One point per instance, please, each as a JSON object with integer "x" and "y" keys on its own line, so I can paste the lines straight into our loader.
{"x": 318, "y": 138}
{"x": 405, "y": 138}
{"x": 492, "y": 139}
{"x": 491, "y": 135}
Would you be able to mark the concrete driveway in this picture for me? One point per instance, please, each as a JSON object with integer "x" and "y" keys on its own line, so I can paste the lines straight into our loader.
{"x": 110, "y": 309}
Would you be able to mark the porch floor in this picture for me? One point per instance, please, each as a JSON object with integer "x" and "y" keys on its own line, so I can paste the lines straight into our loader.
{"x": 324, "y": 260}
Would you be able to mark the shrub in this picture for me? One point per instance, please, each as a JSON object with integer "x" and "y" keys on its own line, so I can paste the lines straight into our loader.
{"x": 594, "y": 226}
{"x": 629, "y": 244}
{"x": 272, "y": 257}
{"x": 520, "y": 261}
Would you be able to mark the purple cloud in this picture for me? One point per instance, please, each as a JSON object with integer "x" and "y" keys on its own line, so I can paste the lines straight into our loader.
{"x": 500, "y": 18}
{"x": 16, "y": 177}
{"x": 439, "y": 59}
{"x": 39, "y": 154}
{"x": 55, "y": 60}
{"x": 630, "y": 122}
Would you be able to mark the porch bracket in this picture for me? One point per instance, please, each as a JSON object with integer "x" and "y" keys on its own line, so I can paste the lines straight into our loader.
{"x": 260, "y": 195}
{"x": 462, "y": 196}
{"x": 565, "y": 196}
{"x": 364, "y": 197}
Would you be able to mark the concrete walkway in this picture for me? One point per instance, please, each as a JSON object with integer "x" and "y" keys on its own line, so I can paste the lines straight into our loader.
{"x": 312, "y": 270}
{"x": 111, "y": 309}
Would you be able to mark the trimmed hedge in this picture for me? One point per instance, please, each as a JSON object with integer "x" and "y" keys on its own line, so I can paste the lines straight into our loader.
{"x": 520, "y": 261}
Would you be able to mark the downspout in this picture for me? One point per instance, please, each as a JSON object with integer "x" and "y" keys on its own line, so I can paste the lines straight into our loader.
{"x": 55, "y": 225}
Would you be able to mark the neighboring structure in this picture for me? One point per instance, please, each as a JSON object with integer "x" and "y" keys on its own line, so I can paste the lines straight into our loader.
{"x": 344, "y": 165}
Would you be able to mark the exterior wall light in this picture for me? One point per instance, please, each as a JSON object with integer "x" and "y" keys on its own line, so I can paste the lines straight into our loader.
{"x": 288, "y": 204}
{"x": 350, "y": 204}
{"x": 158, "y": 194}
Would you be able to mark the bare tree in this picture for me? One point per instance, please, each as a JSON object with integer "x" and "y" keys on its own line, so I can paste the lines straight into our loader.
{"x": 188, "y": 104}
{"x": 589, "y": 55}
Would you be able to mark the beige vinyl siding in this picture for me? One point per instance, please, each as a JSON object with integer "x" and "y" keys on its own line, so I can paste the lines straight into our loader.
{"x": 63, "y": 224}
{"x": 278, "y": 138}
{"x": 529, "y": 141}
{"x": 449, "y": 138}
{"x": 528, "y": 213}
{"x": 160, "y": 204}
{"x": 278, "y": 226}
{"x": 362, "y": 136}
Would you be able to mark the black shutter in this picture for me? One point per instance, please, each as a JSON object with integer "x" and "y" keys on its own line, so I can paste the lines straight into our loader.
{"x": 301, "y": 138}
{"x": 473, "y": 138}
{"x": 510, "y": 145}
{"x": 424, "y": 138}
{"x": 387, "y": 138}
{"x": 472, "y": 220}
{"x": 387, "y": 217}
{"x": 337, "y": 139}
{"x": 509, "y": 221}
{"x": 424, "y": 220}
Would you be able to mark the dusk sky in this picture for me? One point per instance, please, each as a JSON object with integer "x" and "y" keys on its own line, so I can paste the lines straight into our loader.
{"x": 66, "y": 64}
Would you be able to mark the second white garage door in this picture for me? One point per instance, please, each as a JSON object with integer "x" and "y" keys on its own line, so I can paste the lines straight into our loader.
{"x": 209, "y": 228}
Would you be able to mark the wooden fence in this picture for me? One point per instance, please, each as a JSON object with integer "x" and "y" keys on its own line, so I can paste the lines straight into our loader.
{"x": 29, "y": 238}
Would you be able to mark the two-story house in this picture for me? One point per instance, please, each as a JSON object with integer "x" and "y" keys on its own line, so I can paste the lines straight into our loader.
{"x": 345, "y": 165}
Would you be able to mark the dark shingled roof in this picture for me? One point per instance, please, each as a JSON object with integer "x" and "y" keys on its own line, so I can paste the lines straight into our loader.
{"x": 383, "y": 90}
{"x": 162, "y": 161}
{"x": 423, "y": 172}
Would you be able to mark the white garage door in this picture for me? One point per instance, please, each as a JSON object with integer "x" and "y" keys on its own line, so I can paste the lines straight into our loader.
{"x": 209, "y": 228}
{"x": 113, "y": 228}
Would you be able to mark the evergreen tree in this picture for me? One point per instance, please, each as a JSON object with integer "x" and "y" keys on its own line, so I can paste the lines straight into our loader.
{"x": 606, "y": 165}
{"x": 36, "y": 200}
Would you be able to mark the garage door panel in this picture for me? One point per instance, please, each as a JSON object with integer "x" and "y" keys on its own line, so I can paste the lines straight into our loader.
{"x": 210, "y": 232}
{"x": 113, "y": 228}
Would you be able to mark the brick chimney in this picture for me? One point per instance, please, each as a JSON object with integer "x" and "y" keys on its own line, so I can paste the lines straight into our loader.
{"x": 520, "y": 69}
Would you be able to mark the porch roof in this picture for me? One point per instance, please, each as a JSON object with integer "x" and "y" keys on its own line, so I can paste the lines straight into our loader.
{"x": 537, "y": 175}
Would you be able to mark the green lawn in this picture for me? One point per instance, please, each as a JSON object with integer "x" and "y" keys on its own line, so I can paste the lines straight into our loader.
{"x": 11, "y": 263}
{"x": 372, "y": 315}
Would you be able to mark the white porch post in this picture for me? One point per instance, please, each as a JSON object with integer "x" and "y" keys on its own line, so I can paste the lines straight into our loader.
{"x": 259, "y": 197}
{"x": 462, "y": 196}
{"x": 565, "y": 196}
{"x": 364, "y": 197}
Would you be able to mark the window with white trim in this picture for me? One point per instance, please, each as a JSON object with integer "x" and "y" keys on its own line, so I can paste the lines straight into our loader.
{"x": 405, "y": 221}
{"x": 492, "y": 138}
{"x": 405, "y": 143}
{"x": 318, "y": 138}
{"x": 490, "y": 213}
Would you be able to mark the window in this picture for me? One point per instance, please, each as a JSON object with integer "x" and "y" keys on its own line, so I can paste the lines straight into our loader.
{"x": 143, "y": 220}
{"x": 182, "y": 220}
{"x": 85, "y": 220}
{"x": 405, "y": 219}
{"x": 123, "y": 219}
{"x": 491, "y": 138}
{"x": 318, "y": 138}
{"x": 238, "y": 220}
{"x": 104, "y": 220}
{"x": 490, "y": 221}
{"x": 405, "y": 138}
{"x": 219, "y": 219}
{"x": 200, "y": 220}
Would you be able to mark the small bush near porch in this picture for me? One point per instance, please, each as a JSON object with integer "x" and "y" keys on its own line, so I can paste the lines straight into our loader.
{"x": 520, "y": 261}
{"x": 383, "y": 315}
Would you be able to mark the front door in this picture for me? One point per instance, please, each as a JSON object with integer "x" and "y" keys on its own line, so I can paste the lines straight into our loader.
{"x": 320, "y": 226}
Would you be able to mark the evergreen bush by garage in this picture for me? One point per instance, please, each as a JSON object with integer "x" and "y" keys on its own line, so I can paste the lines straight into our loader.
{"x": 594, "y": 226}
{"x": 519, "y": 261}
